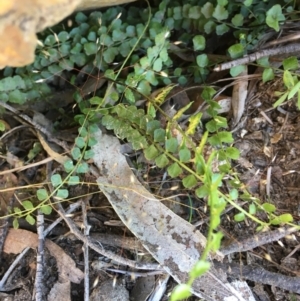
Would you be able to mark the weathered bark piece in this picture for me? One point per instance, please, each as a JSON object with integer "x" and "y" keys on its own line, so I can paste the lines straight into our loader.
{"x": 20, "y": 20}
{"x": 172, "y": 241}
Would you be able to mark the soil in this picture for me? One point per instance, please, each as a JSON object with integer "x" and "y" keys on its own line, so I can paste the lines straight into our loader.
{"x": 268, "y": 139}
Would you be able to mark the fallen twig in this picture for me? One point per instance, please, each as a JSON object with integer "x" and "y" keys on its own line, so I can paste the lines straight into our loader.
{"x": 258, "y": 274}
{"x": 134, "y": 273}
{"x": 11, "y": 268}
{"x": 258, "y": 240}
{"x": 160, "y": 288}
{"x": 129, "y": 243}
{"x": 38, "y": 284}
{"x": 94, "y": 245}
{"x": 72, "y": 208}
{"x": 86, "y": 253}
{"x": 287, "y": 50}
{"x": 35, "y": 125}
{"x": 17, "y": 169}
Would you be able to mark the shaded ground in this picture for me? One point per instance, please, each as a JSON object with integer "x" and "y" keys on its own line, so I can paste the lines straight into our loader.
{"x": 268, "y": 139}
{"x": 270, "y": 147}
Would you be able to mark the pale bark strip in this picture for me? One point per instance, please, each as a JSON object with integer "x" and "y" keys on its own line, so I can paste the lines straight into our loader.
{"x": 172, "y": 241}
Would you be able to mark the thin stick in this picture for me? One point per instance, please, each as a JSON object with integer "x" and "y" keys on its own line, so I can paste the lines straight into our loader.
{"x": 72, "y": 208}
{"x": 289, "y": 49}
{"x": 268, "y": 186}
{"x": 35, "y": 125}
{"x": 93, "y": 245}
{"x": 10, "y": 132}
{"x": 160, "y": 288}
{"x": 136, "y": 274}
{"x": 17, "y": 169}
{"x": 258, "y": 274}
{"x": 13, "y": 265}
{"x": 38, "y": 284}
{"x": 258, "y": 240}
{"x": 129, "y": 243}
{"x": 86, "y": 253}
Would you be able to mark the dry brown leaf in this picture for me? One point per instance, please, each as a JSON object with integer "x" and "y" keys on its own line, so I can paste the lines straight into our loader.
{"x": 17, "y": 240}
{"x": 268, "y": 151}
{"x": 54, "y": 155}
{"x": 239, "y": 95}
{"x": 276, "y": 138}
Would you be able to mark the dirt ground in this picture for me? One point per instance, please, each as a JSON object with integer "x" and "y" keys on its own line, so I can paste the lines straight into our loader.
{"x": 269, "y": 141}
